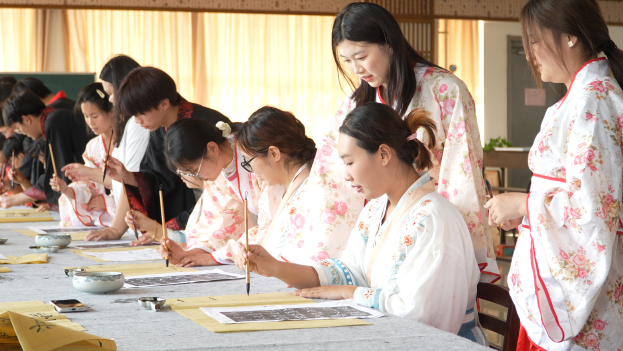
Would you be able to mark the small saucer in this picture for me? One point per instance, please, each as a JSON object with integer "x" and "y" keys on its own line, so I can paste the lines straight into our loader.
{"x": 3, "y": 241}
{"x": 45, "y": 249}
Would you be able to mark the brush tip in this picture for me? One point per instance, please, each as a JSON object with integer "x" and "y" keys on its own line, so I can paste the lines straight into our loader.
{"x": 248, "y": 288}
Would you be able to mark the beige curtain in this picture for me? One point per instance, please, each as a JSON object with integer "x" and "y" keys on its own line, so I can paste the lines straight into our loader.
{"x": 234, "y": 63}
{"x": 458, "y": 45}
{"x": 24, "y": 38}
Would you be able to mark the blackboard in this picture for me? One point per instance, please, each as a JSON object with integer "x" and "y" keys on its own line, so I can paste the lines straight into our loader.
{"x": 71, "y": 83}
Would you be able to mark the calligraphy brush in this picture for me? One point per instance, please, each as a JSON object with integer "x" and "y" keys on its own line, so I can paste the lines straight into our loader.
{"x": 12, "y": 169}
{"x": 107, "y": 156}
{"x": 130, "y": 206}
{"x": 246, "y": 237}
{"x": 52, "y": 157}
{"x": 164, "y": 227}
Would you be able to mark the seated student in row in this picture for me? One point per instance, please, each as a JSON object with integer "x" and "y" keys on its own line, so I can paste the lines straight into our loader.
{"x": 67, "y": 135}
{"x": 150, "y": 95}
{"x": 209, "y": 157}
{"x": 129, "y": 146}
{"x": 13, "y": 170}
{"x": 57, "y": 101}
{"x": 313, "y": 217}
{"x": 76, "y": 204}
{"x": 410, "y": 254}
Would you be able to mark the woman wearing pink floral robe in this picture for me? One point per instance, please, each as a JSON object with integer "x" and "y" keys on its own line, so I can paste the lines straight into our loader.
{"x": 457, "y": 155}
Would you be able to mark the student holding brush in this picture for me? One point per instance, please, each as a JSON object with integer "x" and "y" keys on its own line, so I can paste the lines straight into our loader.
{"x": 86, "y": 203}
{"x": 66, "y": 134}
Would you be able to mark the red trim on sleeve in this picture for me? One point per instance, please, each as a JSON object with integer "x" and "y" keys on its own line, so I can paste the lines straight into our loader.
{"x": 35, "y": 194}
{"x": 213, "y": 259}
{"x": 562, "y": 180}
{"x": 173, "y": 224}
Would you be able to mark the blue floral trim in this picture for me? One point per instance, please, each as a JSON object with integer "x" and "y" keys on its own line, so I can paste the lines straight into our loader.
{"x": 368, "y": 297}
{"x": 337, "y": 273}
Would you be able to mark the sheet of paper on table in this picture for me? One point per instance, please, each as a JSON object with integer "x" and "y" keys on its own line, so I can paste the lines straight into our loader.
{"x": 108, "y": 244}
{"x": 189, "y": 308}
{"x": 3, "y": 257}
{"x": 343, "y": 309}
{"x": 74, "y": 236}
{"x": 135, "y": 269}
{"x": 34, "y": 334}
{"x": 12, "y": 215}
{"x": 180, "y": 278}
{"x": 62, "y": 230}
{"x": 124, "y": 256}
{"x": 32, "y": 258}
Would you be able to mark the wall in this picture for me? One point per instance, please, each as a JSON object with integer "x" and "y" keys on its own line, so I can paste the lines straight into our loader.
{"x": 492, "y": 36}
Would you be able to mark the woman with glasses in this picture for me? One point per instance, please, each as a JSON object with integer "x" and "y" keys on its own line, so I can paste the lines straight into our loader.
{"x": 207, "y": 156}
{"x": 307, "y": 221}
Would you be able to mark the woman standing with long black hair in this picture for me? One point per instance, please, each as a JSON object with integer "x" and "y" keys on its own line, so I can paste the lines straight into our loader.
{"x": 565, "y": 277}
{"x": 368, "y": 42}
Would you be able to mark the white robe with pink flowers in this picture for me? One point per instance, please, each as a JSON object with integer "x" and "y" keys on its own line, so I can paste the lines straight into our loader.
{"x": 75, "y": 213}
{"x": 316, "y": 219}
{"x": 566, "y": 277}
{"x": 457, "y": 155}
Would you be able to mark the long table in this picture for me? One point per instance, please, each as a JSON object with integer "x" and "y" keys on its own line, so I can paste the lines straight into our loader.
{"x": 118, "y": 316}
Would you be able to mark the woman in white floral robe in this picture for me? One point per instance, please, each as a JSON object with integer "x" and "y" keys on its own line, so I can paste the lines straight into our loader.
{"x": 75, "y": 212}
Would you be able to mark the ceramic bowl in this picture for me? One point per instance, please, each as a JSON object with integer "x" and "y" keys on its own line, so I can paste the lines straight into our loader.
{"x": 98, "y": 282}
{"x": 61, "y": 240}
{"x": 145, "y": 302}
{"x": 3, "y": 241}
{"x": 45, "y": 249}
{"x": 71, "y": 271}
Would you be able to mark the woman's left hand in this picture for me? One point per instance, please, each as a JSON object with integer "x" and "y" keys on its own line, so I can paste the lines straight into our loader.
{"x": 329, "y": 292}
{"x": 507, "y": 206}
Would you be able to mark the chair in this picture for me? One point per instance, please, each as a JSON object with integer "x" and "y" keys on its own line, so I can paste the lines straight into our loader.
{"x": 508, "y": 328}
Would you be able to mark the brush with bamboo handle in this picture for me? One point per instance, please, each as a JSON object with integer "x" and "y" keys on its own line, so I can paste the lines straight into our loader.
{"x": 53, "y": 162}
{"x": 164, "y": 227}
{"x": 130, "y": 207}
{"x": 246, "y": 238}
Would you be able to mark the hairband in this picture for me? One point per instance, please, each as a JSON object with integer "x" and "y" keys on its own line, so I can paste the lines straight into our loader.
{"x": 412, "y": 137}
{"x": 611, "y": 46}
{"x": 99, "y": 92}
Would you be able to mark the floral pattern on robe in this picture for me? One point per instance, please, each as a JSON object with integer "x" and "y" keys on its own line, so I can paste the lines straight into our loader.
{"x": 418, "y": 264}
{"x": 566, "y": 272}
{"x": 457, "y": 156}
{"x": 75, "y": 213}
{"x": 317, "y": 218}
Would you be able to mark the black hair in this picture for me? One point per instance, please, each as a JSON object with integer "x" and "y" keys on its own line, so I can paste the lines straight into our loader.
{"x": 21, "y": 104}
{"x": 113, "y": 72}
{"x": 33, "y": 84}
{"x": 37, "y": 147}
{"x": 270, "y": 126}
{"x": 144, "y": 88}
{"x": 2, "y": 140}
{"x": 185, "y": 141}
{"x": 579, "y": 18}
{"x": 13, "y": 144}
{"x": 93, "y": 93}
{"x": 6, "y": 87}
{"x": 371, "y": 23}
{"x": 373, "y": 124}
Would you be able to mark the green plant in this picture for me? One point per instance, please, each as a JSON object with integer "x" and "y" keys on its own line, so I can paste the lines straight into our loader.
{"x": 496, "y": 142}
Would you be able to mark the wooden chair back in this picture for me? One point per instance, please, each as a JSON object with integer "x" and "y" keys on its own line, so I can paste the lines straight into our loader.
{"x": 508, "y": 328}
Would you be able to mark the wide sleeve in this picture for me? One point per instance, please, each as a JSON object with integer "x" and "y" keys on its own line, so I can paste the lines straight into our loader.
{"x": 573, "y": 225}
{"x": 437, "y": 280}
{"x": 137, "y": 139}
{"x": 458, "y": 161}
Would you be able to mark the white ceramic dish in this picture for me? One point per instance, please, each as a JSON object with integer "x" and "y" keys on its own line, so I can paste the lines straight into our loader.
{"x": 45, "y": 249}
{"x": 146, "y": 302}
{"x": 61, "y": 240}
{"x": 3, "y": 241}
{"x": 71, "y": 271}
{"x": 98, "y": 282}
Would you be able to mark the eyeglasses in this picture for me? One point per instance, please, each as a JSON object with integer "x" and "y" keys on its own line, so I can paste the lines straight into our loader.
{"x": 247, "y": 164}
{"x": 193, "y": 175}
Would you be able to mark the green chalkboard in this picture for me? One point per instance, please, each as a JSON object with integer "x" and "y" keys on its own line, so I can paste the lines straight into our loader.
{"x": 71, "y": 83}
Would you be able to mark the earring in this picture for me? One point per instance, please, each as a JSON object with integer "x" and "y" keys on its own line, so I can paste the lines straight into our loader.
{"x": 570, "y": 43}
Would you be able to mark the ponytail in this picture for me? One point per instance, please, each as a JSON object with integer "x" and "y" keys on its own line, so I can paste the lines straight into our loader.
{"x": 615, "y": 60}
{"x": 373, "y": 124}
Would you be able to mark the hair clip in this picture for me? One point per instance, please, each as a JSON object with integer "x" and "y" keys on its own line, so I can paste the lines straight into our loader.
{"x": 99, "y": 92}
